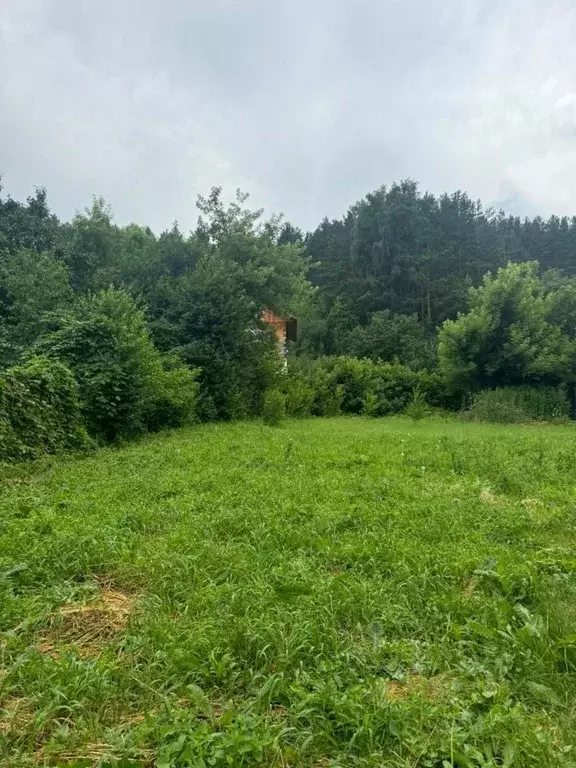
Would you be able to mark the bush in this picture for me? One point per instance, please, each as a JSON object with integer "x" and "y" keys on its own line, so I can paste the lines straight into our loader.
{"x": 274, "y": 408}
{"x": 517, "y": 405}
{"x": 436, "y": 392}
{"x": 369, "y": 404}
{"x": 401, "y": 338}
{"x": 394, "y": 387}
{"x": 507, "y": 337}
{"x": 354, "y": 377}
{"x": 124, "y": 383}
{"x": 299, "y": 395}
{"x": 206, "y": 409}
{"x": 39, "y": 410}
{"x": 417, "y": 408}
{"x": 330, "y": 403}
{"x": 349, "y": 385}
{"x": 173, "y": 396}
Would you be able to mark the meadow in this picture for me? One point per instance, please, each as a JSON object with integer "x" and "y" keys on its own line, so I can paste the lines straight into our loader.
{"x": 331, "y": 592}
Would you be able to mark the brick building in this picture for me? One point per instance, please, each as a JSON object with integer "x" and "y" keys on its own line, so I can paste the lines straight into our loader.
{"x": 285, "y": 329}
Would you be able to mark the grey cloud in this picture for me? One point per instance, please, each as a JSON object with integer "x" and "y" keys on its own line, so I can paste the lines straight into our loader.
{"x": 306, "y": 105}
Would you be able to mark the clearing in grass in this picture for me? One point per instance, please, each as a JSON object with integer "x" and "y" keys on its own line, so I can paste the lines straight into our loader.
{"x": 328, "y": 593}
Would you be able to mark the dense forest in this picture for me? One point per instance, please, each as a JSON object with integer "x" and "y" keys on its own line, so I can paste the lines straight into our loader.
{"x": 145, "y": 330}
{"x": 407, "y": 253}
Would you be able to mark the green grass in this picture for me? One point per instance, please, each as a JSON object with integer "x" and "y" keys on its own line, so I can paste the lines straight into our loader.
{"x": 337, "y": 592}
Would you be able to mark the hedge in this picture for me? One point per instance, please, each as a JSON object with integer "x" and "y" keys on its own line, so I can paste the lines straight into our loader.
{"x": 39, "y": 410}
{"x": 332, "y": 385}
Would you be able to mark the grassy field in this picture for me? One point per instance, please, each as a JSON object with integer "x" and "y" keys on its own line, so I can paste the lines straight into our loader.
{"x": 339, "y": 592}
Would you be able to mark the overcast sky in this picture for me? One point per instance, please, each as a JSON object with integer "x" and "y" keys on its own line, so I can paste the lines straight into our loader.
{"x": 306, "y": 104}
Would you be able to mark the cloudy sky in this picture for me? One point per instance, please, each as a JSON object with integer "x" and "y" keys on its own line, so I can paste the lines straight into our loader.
{"x": 306, "y": 104}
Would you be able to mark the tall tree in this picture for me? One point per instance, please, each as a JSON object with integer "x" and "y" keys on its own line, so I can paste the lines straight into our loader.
{"x": 508, "y": 337}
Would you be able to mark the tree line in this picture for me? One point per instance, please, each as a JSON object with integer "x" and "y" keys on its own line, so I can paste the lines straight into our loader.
{"x": 405, "y": 253}
{"x": 159, "y": 329}
{"x": 127, "y": 309}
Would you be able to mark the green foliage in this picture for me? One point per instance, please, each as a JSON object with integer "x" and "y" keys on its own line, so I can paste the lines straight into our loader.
{"x": 209, "y": 312}
{"x": 203, "y": 295}
{"x": 31, "y": 285}
{"x": 352, "y": 386}
{"x": 124, "y": 385}
{"x": 520, "y": 405}
{"x": 506, "y": 339}
{"x": 417, "y": 408}
{"x": 271, "y": 268}
{"x": 393, "y": 386}
{"x": 92, "y": 244}
{"x": 391, "y": 338}
{"x": 274, "y": 407}
{"x": 194, "y": 348}
{"x": 341, "y": 591}
{"x": 207, "y": 317}
{"x": 240, "y": 741}
{"x": 28, "y": 225}
{"x": 39, "y": 410}
{"x": 409, "y": 252}
{"x": 299, "y": 395}
{"x": 329, "y": 400}
{"x": 369, "y": 403}
{"x": 172, "y": 395}
{"x": 340, "y": 322}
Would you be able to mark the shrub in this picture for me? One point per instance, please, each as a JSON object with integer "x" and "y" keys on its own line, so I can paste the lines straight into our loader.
{"x": 239, "y": 403}
{"x": 417, "y": 408}
{"x": 436, "y": 391}
{"x": 369, "y": 404}
{"x": 206, "y": 409}
{"x": 349, "y": 385}
{"x": 517, "y": 405}
{"x": 507, "y": 337}
{"x": 394, "y": 386}
{"x": 173, "y": 396}
{"x": 124, "y": 385}
{"x": 299, "y": 394}
{"x": 330, "y": 404}
{"x": 274, "y": 407}
{"x": 354, "y": 377}
{"x": 391, "y": 337}
{"x": 546, "y": 403}
{"x": 39, "y": 410}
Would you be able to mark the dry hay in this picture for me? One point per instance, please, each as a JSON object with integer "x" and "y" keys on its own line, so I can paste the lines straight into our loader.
{"x": 428, "y": 687}
{"x": 95, "y": 753}
{"x": 470, "y": 588}
{"x": 16, "y": 716}
{"x": 88, "y": 626}
{"x": 490, "y": 498}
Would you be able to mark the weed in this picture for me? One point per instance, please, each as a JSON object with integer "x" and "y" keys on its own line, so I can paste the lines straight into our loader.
{"x": 274, "y": 408}
{"x": 417, "y": 408}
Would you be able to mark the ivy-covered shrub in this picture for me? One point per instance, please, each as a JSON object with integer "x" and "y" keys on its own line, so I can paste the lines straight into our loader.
{"x": 125, "y": 385}
{"x": 39, "y": 410}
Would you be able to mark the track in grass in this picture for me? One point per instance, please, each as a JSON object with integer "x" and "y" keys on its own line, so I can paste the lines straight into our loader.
{"x": 333, "y": 592}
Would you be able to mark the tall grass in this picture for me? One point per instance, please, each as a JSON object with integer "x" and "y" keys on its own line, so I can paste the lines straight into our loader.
{"x": 520, "y": 405}
{"x": 344, "y": 592}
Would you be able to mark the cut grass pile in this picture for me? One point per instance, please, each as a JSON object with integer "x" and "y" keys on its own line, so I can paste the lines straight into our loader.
{"x": 338, "y": 592}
